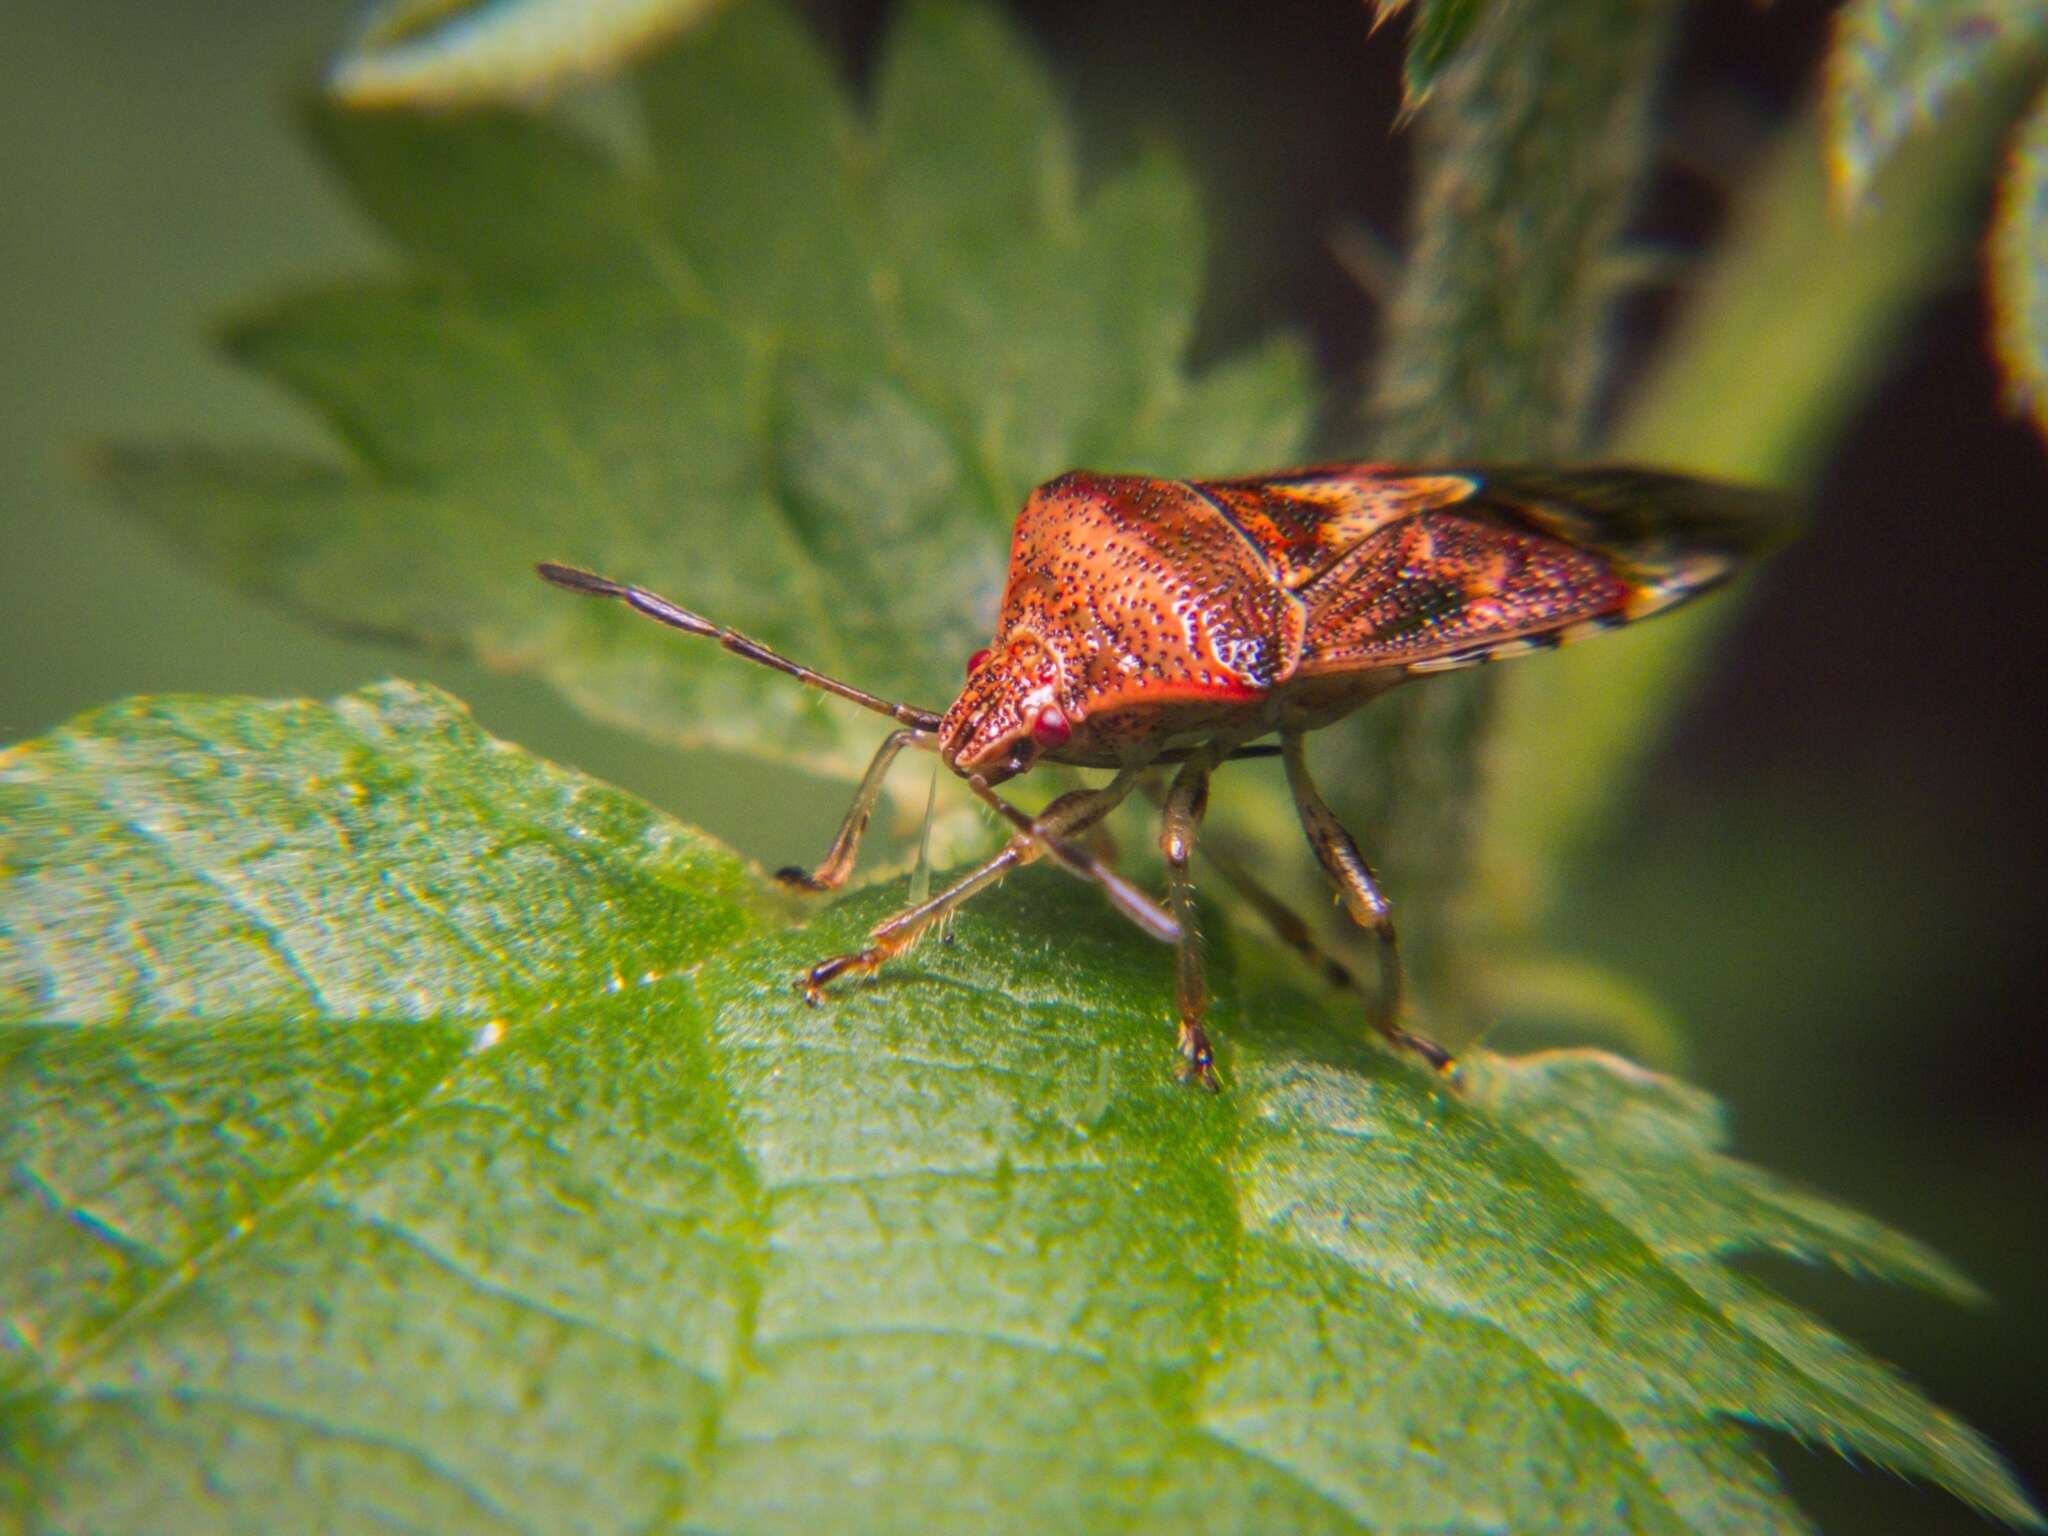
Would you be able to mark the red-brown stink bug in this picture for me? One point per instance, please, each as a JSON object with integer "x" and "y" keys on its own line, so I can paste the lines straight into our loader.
{"x": 1150, "y": 622}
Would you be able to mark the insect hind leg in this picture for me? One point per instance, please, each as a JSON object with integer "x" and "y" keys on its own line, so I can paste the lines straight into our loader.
{"x": 1360, "y": 892}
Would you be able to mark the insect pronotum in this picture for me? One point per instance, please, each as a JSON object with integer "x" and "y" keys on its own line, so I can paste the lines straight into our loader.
{"x": 1150, "y": 622}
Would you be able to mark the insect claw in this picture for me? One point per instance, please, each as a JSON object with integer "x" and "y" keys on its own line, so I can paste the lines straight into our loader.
{"x": 796, "y": 877}
{"x": 812, "y": 983}
{"x": 1441, "y": 1061}
{"x": 1198, "y": 1060}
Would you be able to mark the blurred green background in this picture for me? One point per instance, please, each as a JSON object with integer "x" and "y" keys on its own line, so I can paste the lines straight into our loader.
{"x": 1831, "y": 870}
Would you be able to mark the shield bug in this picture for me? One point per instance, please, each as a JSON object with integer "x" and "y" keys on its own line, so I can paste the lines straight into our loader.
{"x": 1178, "y": 622}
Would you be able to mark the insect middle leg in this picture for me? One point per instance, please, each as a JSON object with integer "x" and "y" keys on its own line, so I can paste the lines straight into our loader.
{"x": 1369, "y": 908}
{"x": 838, "y": 864}
{"x": 1179, "y": 821}
{"x": 1074, "y": 812}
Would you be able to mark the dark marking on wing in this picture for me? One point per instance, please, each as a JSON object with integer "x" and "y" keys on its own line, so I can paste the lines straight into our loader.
{"x": 1532, "y": 558}
{"x": 1302, "y": 521}
{"x": 1447, "y": 588}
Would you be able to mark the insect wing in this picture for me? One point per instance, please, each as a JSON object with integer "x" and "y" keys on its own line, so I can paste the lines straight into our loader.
{"x": 1301, "y": 522}
{"x": 1532, "y": 558}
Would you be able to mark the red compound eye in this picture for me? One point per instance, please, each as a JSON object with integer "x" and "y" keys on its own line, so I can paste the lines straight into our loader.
{"x": 974, "y": 662}
{"x": 1050, "y": 728}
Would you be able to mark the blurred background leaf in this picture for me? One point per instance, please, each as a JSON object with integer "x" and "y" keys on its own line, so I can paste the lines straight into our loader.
{"x": 461, "y": 52}
{"x": 2019, "y": 269}
{"x": 1438, "y": 29}
{"x": 436, "y": 1140}
{"x": 796, "y": 371}
{"x": 1897, "y": 67}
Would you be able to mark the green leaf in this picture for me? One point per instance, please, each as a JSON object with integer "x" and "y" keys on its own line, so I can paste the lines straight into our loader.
{"x": 795, "y": 368}
{"x": 1897, "y": 65}
{"x": 182, "y": 858}
{"x": 445, "y": 53}
{"x": 433, "y": 1138}
{"x": 1434, "y": 37}
{"x": 2019, "y": 269}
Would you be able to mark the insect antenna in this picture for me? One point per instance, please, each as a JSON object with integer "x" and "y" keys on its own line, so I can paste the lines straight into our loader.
{"x": 662, "y": 611}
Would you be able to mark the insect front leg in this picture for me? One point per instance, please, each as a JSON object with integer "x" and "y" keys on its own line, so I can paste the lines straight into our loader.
{"x": 838, "y": 864}
{"x": 1359, "y": 889}
{"x": 1141, "y": 909}
{"x": 1180, "y": 820}
{"x": 1074, "y": 812}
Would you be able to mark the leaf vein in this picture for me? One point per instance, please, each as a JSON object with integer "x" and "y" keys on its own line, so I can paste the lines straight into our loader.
{"x": 1021, "y": 1343}
{"x": 238, "y": 1402}
{"x": 523, "y": 1300}
{"x": 188, "y": 1267}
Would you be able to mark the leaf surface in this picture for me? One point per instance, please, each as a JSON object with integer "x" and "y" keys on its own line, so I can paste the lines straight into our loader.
{"x": 403, "y": 1128}
{"x": 793, "y": 364}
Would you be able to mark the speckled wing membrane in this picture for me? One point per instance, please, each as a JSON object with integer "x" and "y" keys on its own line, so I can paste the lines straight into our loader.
{"x": 1301, "y": 523}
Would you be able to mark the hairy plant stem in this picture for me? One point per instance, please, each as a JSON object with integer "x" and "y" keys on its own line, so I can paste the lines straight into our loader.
{"x": 1529, "y": 154}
